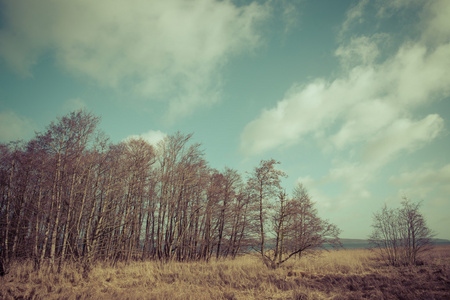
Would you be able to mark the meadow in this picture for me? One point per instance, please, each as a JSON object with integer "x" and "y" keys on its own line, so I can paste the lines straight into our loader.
{"x": 337, "y": 274}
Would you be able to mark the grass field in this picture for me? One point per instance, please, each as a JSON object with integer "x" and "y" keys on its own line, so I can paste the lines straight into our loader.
{"x": 343, "y": 274}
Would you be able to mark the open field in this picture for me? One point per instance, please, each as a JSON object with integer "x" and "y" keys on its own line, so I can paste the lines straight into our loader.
{"x": 343, "y": 274}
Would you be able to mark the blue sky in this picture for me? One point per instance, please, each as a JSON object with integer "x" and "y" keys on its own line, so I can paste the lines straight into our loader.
{"x": 352, "y": 97}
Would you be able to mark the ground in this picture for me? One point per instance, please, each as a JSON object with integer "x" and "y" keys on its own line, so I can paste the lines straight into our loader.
{"x": 341, "y": 274}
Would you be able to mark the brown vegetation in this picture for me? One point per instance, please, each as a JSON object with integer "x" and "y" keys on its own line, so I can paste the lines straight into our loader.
{"x": 342, "y": 274}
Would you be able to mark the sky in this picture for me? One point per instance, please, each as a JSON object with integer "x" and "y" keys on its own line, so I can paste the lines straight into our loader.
{"x": 352, "y": 97}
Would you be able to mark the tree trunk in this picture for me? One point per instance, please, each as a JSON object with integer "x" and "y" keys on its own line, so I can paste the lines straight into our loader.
{"x": 8, "y": 207}
{"x": 261, "y": 219}
{"x": 68, "y": 221}
{"x": 56, "y": 199}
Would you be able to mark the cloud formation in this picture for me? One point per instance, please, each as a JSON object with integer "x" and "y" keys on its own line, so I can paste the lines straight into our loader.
{"x": 430, "y": 183}
{"x": 369, "y": 114}
{"x": 424, "y": 180}
{"x": 402, "y": 134}
{"x": 153, "y": 137}
{"x": 73, "y": 104}
{"x": 368, "y": 99}
{"x": 14, "y": 127}
{"x": 163, "y": 50}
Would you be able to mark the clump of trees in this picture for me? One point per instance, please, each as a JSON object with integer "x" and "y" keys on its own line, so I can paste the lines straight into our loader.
{"x": 401, "y": 235}
{"x": 71, "y": 194}
{"x": 293, "y": 221}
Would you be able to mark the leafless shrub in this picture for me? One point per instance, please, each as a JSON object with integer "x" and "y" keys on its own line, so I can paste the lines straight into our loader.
{"x": 401, "y": 235}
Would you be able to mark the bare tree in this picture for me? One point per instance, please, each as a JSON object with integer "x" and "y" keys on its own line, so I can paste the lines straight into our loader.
{"x": 298, "y": 228}
{"x": 66, "y": 142}
{"x": 401, "y": 235}
{"x": 385, "y": 235}
{"x": 265, "y": 184}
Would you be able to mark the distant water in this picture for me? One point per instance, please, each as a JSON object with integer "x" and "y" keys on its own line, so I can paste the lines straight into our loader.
{"x": 363, "y": 244}
{"x": 441, "y": 242}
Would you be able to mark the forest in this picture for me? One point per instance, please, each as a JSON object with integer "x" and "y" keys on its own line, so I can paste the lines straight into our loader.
{"x": 71, "y": 195}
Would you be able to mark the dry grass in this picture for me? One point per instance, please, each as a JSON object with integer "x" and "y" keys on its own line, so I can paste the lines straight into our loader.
{"x": 344, "y": 274}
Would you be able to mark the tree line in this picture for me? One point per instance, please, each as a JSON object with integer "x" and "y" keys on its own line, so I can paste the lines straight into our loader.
{"x": 69, "y": 194}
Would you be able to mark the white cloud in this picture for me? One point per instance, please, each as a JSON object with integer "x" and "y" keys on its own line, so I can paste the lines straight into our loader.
{"x": 162, "y": 49}
{"x": 418, "y": 74}
{"x": 307, "y": 181}
{"x": 361, "y": 50}
{"x": 14, "y": 126}
{"x": 153, "y": 137}
{"x": 424, "y": 180}
{"x": 365, "y": 101}
{"x": 354, "y": 15}
{"x": 366, "y": 116}
{"x": 438, "y": 23}
{"x": 73, "y": 104}
{"x": 431, "y": 184}
{"x": 290, "y": 14}
{"x": 387, "y": 8}
{"x": 303, "y": 110}
{"x": 402, "y": 134}
{"x": 352, "y": 180}
{"x": 363, "y": 119}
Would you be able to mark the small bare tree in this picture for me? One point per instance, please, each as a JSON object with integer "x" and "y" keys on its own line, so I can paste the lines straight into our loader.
{"x": 265, "y": 184}
{"x": 401, "y": 235}
{"x": 298, "y": 228}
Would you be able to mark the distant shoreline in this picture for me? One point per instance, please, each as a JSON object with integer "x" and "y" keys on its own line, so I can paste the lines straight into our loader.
{"x": 364, "y": 244}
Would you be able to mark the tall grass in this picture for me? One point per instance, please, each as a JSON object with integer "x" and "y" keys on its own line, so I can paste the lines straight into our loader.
{"x": 343, "y": 274}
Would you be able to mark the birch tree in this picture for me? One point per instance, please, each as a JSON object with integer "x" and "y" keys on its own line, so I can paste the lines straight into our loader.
{"x": 298, "y": 228}
{"x": 265, "y": 183}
